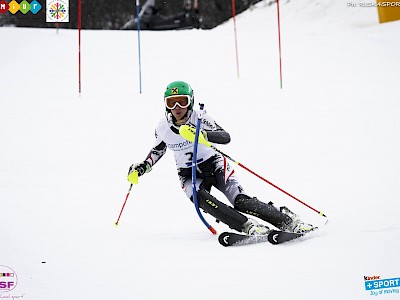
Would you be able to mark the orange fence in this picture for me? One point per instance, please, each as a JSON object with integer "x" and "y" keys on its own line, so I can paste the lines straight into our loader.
{"x": 388, "y": 10}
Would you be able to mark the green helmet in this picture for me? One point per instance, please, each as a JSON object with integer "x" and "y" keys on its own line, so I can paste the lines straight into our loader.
{"x": 180, "y": 88}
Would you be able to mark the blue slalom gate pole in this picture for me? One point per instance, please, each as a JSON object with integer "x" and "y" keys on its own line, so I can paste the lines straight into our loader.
{"x": 138, "y": 30}
{"x": 194, "y": 168}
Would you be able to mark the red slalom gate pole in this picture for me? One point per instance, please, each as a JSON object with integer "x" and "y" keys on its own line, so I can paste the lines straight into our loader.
{"x": 79, "y": 44}
{"x": 279, "y": 41}
{"x": 236, "y": 43}
{"x": 139, "y": 55}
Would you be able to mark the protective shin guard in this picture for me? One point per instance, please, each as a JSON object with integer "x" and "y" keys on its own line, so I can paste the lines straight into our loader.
{"x": 266, "y": 212}
{"x": 221, "y": 211}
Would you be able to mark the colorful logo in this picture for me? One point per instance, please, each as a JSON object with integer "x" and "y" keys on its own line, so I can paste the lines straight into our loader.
{"x": 375, "y": 285}
{"x": 24, "y": 7}
{"x": 8, "y": 279}
{"x": 57, "y": 11}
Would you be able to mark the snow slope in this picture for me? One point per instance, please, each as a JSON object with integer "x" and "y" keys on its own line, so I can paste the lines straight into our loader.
{"x": 330, "y": 137}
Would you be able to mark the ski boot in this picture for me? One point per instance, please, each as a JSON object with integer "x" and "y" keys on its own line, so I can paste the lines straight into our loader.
{"x": 297, "y": 226}
{"x": 252, "y": 227}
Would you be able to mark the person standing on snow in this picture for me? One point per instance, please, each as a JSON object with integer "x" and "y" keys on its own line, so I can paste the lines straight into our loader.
{"x": 212, "y": 169}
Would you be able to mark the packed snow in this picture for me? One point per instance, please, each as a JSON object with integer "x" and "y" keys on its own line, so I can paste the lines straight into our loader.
{"x": 330, "y": 137}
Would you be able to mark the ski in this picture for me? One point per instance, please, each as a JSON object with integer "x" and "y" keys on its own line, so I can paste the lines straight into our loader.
{"x": 235, "y": 239}
{"x": 275, "y": 237}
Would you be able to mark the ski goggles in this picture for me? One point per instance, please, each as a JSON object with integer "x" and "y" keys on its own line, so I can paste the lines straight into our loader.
{"x": 182, "y": 101}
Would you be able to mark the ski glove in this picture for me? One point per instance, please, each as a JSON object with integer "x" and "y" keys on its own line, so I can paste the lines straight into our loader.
{"x": 141, "y": 168}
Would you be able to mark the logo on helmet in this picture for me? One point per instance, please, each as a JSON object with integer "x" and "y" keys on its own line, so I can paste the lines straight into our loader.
{"x": 174, "y": 90}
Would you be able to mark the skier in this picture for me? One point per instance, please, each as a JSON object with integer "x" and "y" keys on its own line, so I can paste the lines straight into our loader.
{"x": 213, "y": 169}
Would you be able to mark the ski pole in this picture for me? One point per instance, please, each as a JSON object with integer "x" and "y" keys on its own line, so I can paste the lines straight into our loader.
{"x": 123, "y": 206}
{"x": 188, "y": 133}
{"x": 194, "y": 169}
{"x": 133, "y": 179}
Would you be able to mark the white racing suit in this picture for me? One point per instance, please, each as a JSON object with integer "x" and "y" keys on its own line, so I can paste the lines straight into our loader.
{"x": 212, "y": 170}
{"x": 209, "y": 162}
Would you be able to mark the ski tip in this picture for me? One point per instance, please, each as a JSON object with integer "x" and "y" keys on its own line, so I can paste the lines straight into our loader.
{"x": 276, "y": 237}
{"x": 224, "y": 239}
